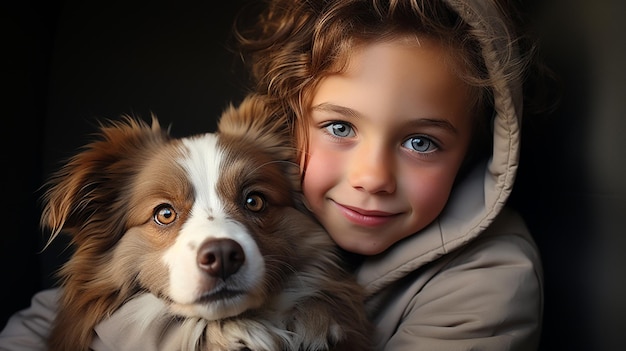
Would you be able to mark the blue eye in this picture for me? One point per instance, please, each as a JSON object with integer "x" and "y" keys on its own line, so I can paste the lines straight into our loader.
{"x": 420, "y": 144}
{"x": 340, "y": 130}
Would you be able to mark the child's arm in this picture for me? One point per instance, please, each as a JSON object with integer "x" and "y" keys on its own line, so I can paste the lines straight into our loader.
{"x": 29, "y": 328}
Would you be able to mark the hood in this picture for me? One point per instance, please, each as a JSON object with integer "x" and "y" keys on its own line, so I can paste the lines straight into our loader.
{"x": 480, "y": 196}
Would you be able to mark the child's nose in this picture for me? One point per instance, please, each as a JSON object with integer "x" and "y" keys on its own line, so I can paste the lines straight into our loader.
{"x": 372, "y": 172}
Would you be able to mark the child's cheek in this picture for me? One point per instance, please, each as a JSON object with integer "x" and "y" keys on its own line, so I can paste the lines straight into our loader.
{"x": 428, "y": 193}
{"x": 316, "y": 181}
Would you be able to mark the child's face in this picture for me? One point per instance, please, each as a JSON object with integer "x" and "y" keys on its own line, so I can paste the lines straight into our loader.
{"x": 387, "y": 138}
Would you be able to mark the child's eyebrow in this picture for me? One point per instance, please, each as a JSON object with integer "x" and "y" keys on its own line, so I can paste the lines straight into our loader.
{"x": 420, "y": 122}
{"x": 344, "y": 111}
{"x": 438, "y": 123}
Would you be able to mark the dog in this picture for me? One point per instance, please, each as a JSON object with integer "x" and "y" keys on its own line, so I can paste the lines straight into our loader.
{"x": 212, "y": 227}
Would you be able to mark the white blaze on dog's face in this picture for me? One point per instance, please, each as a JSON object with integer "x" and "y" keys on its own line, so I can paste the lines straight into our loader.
{"x": 205, "y": 226}
{"x": 210, "y": 230}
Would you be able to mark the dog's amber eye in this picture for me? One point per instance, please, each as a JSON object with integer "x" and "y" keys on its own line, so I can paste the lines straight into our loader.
{"x": 255, "y": 202}
{"x": 164, "y": 214}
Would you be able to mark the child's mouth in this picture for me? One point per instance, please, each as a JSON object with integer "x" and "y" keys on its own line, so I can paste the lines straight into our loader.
{"x": 366, "y": 218}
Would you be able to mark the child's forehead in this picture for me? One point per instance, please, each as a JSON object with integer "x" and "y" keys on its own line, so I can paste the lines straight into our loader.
{"x": 396, "y": 74}
{"x": 425, "y": 48}
{"x": 350, "y": 50}
{"x": 395, "y": 56}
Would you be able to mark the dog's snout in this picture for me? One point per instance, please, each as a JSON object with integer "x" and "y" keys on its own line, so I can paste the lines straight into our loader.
{"x": 221, "y": 258}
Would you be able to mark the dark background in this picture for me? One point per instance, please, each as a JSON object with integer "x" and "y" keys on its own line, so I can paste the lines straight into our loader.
{"x": 68, "y": 64}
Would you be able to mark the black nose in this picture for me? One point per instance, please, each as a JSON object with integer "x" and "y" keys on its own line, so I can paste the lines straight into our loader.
{"x": 220, "y": 258}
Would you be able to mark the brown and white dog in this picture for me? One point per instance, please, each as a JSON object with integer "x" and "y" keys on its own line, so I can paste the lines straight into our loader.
{"x": 212, "y": 227}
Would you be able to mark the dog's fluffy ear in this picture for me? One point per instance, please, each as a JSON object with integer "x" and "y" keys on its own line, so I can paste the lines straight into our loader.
{"x": 255, "y": 120}
{"x": 87, "y": 188}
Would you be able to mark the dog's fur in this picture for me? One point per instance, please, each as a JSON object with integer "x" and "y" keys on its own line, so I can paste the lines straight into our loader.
{"x": 213, "y": 227}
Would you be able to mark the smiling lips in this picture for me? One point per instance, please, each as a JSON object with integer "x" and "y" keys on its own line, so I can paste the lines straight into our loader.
{"x": 365, "y": 218}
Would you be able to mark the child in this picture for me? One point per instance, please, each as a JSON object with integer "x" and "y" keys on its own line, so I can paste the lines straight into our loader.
{"x": 407, "y": 115}
{"x": 408, "y": 118}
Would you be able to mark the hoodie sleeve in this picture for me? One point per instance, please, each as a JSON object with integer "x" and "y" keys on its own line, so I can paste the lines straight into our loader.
{"x": 28, "y": 329}
{"x": 488, "y": 297}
